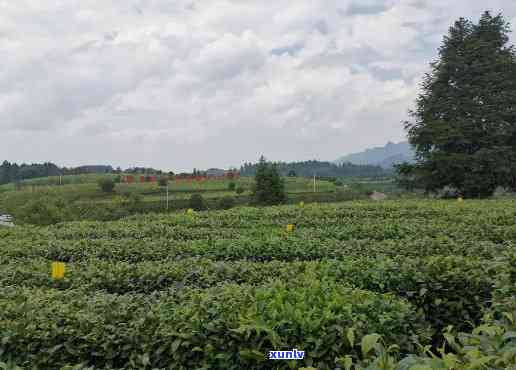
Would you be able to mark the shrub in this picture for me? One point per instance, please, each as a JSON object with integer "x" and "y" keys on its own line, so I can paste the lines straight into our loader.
{"x": 197, "y": 202}
{"x": 240, "y": 190}
{"x": 106, "y": 185}
{"x": 134, "y": 202}
{"x": 232, "y": 186}
{"x": 350, "y": 193}
{"x": 489, "y": 346}
{"x": 226, "y": 202}
{"x": 40, "y": 212}
{"x": 449, "y": 290}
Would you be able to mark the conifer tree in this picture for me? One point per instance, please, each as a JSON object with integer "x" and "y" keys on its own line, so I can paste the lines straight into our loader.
{"x": 269, "y": 187}
{"x": 464, "y": 126}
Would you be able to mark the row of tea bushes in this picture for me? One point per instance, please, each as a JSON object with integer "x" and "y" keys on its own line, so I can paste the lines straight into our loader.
{"x": 225, "y": 327}
{"x": 448, "y": 290}
{"x": 478, "y": 221}
{"x": 489, "y": 346}
{"x": 266, "y": 247}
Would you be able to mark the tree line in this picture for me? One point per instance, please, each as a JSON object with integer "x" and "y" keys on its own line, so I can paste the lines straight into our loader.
{"x": 321, "y": 169}
{"x": 13, "y": 172}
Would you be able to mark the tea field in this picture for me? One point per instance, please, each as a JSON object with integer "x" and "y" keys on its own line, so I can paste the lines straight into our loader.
{"x": 407, "y": 284}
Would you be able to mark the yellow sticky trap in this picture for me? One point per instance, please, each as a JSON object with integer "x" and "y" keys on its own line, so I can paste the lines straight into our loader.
{"x": 301, "y": 204}
{"x": 190, "y": 211}
{"x": 58, "y": 270}
{"x": 290, "y": 228}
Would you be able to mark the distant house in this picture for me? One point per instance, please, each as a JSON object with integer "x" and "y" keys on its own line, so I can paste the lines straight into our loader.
{"x": 215, "y": 172}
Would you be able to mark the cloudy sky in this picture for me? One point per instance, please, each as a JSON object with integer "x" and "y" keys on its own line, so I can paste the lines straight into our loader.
{"x": 177, "y": 84}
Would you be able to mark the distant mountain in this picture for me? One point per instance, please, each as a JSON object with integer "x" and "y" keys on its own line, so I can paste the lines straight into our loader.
{"x": 384, "y": 157}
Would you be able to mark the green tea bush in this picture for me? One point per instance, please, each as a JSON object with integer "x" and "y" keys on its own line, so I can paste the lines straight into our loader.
{"x": 447, "y": 290}
{"x": 41, "y": 211}
{"x": 217, "y": 290}
{"x": 489, "y": 346}
{"x": 197, "y": 202}
{"x": 107, "y": 185}
{"x": 227, "y": 327}
{"x": 226, "y": 202}
{"x": 350, "y": 193}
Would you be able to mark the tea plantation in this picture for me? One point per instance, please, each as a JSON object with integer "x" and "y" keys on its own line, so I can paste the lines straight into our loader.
{"x": 412, "y": 284}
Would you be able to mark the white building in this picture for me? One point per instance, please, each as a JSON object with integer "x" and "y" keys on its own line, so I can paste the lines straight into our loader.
{"x": 215, "y": 172}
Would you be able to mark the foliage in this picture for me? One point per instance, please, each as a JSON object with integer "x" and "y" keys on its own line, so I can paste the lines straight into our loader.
{"x": 464, "y": 126}
{"x": 228, "y": 323}
{"x": 197, "y": 202}
{"x": 351, "y": 192}
{"x": 432, "y": 283}
{"x": 239, "y": 190}
{"x": 226, "y": 202}
{"x": 357, "y": 284}
{"x": 323, "y": 169}
{"x": 42, "y": 211}
{"x": 13, "y": 172}
{"x": 10, "y": 172}
{"x": 269, "y": 187}
{"x": 488, "y": 346}
{"x": 231, "y": 186}
{"x": 406, "y": 176}
{"x": 106, "y": 185}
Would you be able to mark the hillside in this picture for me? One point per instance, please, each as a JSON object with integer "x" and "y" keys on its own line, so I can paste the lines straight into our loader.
{"x": 384, "y": 156}
{"x": 43, "y": 201}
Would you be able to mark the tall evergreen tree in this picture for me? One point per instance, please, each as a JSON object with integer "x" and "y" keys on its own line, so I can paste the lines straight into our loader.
{"x": 464, "y": 125}
{"x": 269, "y": 187}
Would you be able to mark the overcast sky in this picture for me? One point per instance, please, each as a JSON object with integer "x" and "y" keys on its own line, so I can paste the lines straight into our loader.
{"x": 177, "y": 84}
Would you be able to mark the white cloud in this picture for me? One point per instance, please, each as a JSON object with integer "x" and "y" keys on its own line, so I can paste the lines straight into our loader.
{"x": 212, "y": 83}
